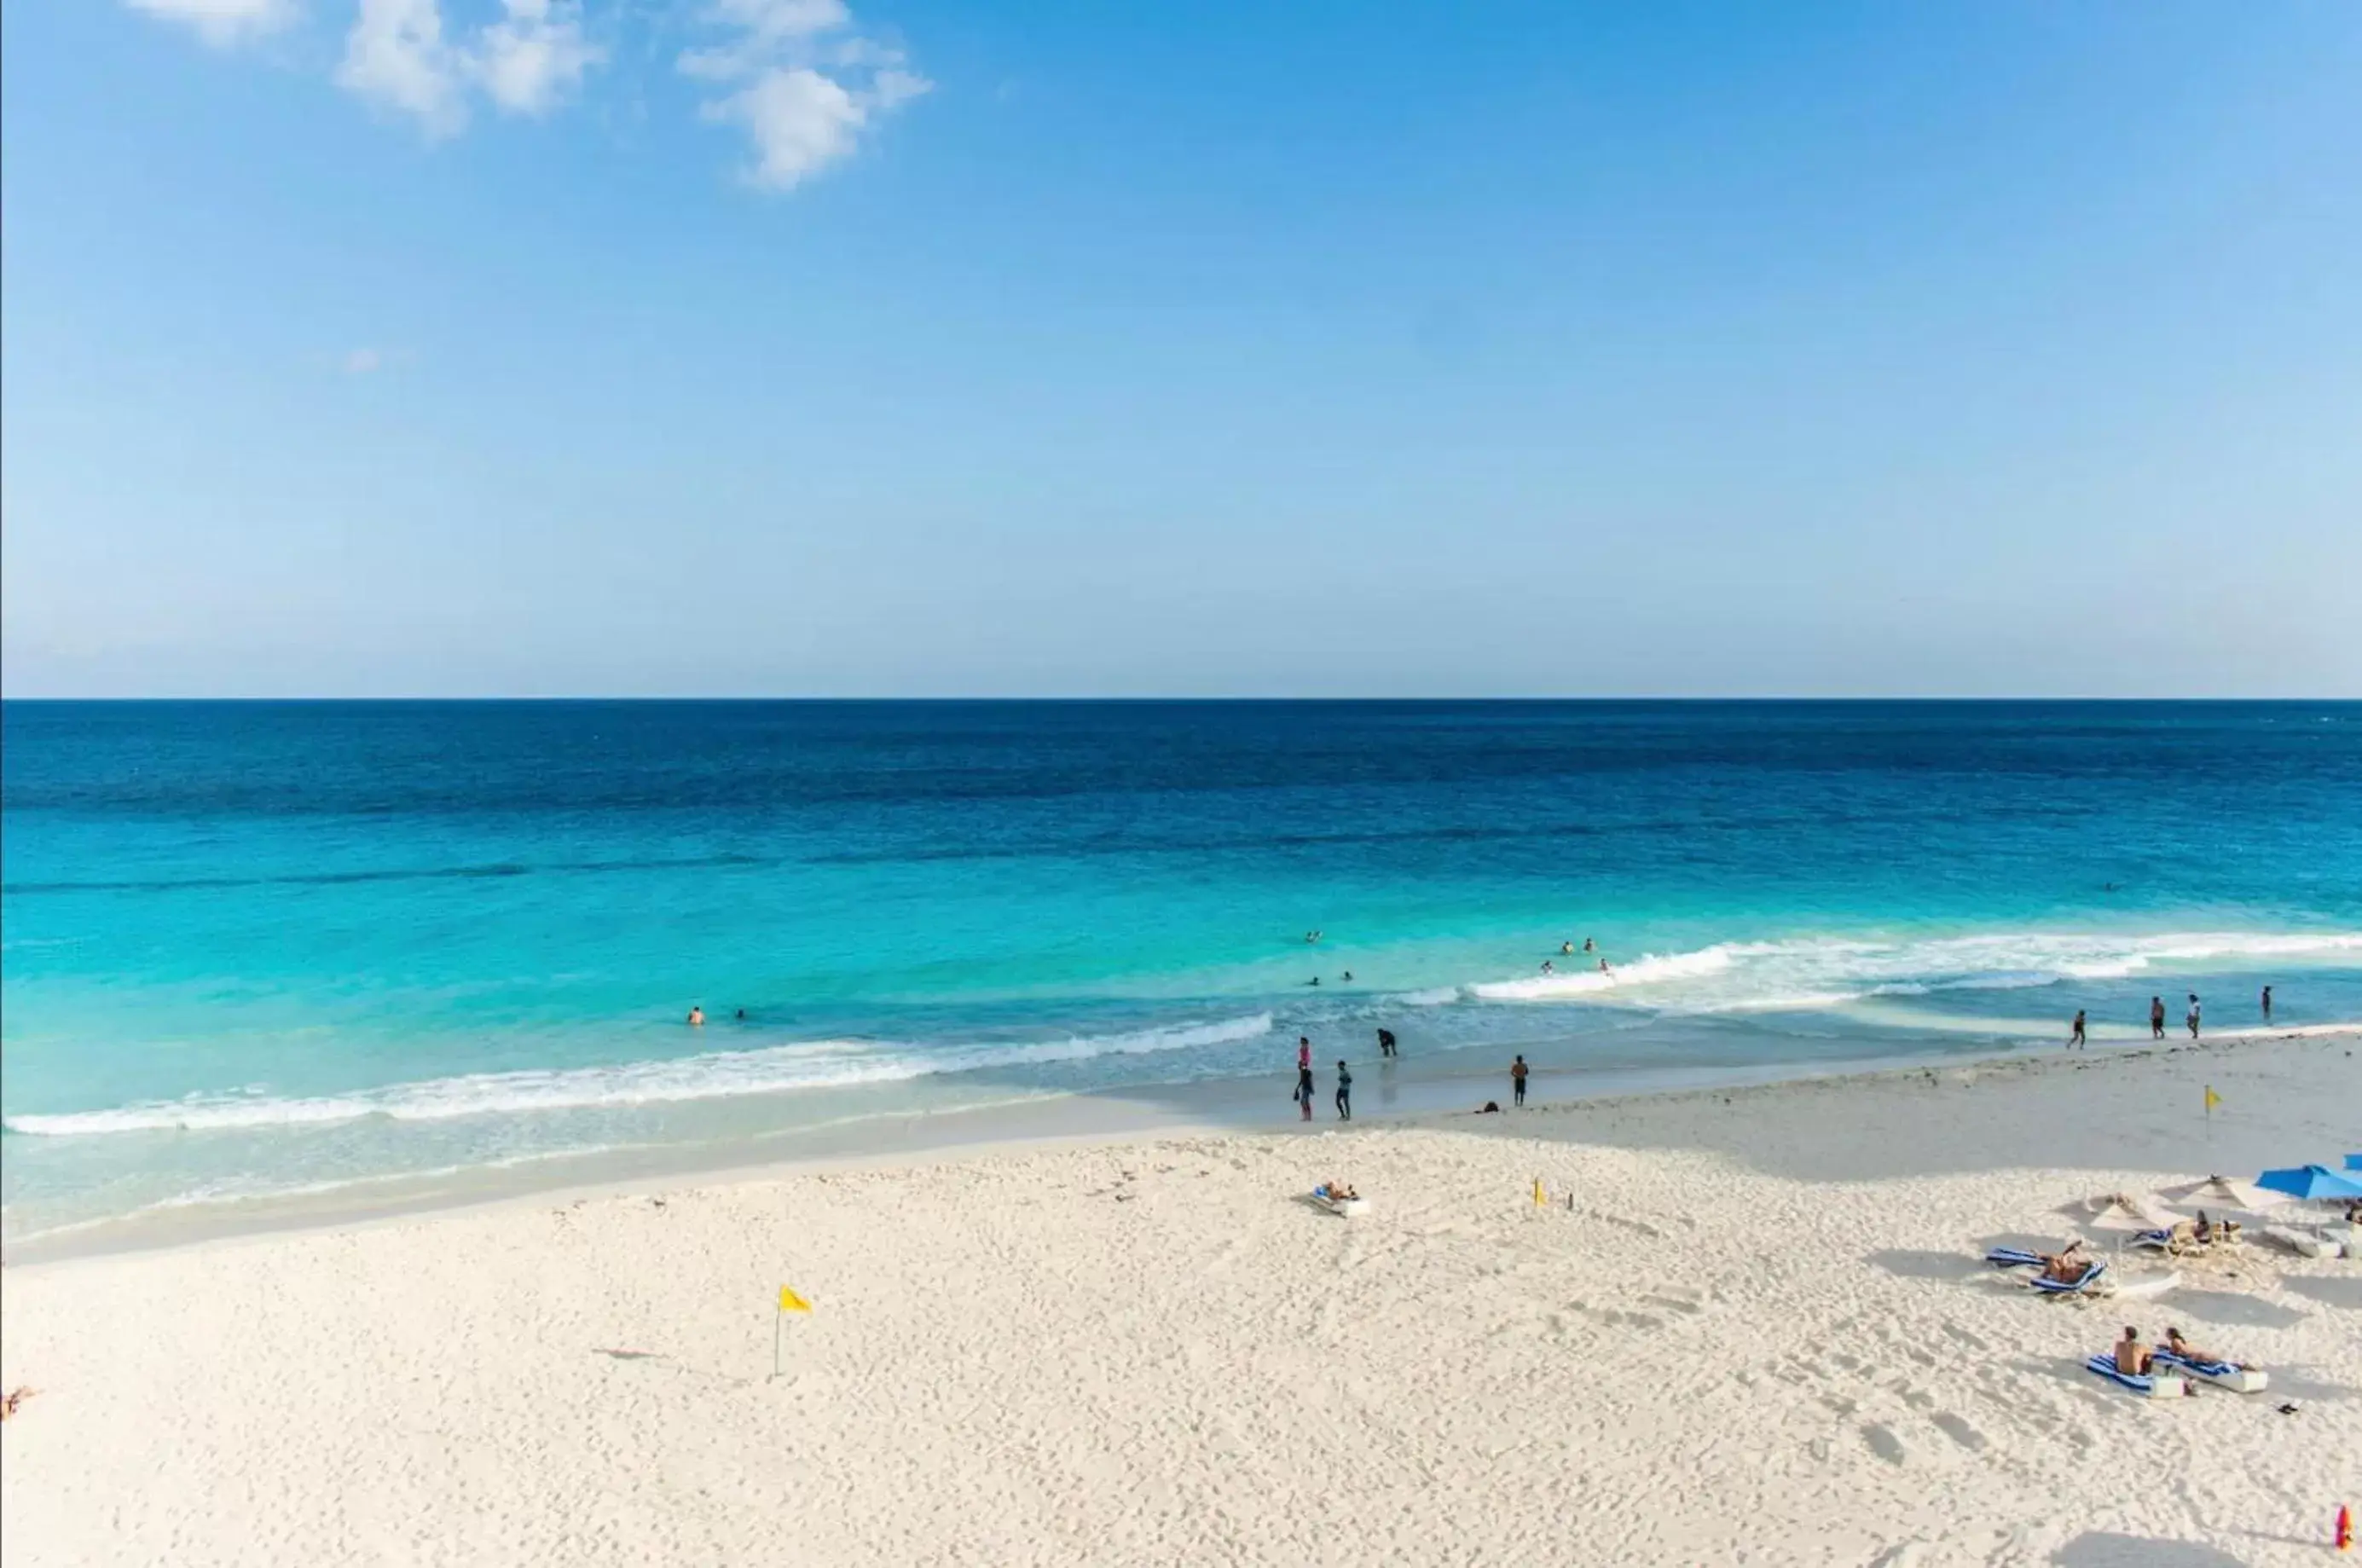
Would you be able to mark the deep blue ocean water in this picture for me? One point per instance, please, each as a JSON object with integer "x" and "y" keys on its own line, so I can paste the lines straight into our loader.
{"x": 252, "y": 948}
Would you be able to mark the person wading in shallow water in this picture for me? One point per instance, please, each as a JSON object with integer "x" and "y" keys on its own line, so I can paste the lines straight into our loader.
{"x": 1344, "y": 1092}
{"x": 1517, "y": 1080}
{"x": 2076, "y": 1042}
{"x": 2157, "y": 1018}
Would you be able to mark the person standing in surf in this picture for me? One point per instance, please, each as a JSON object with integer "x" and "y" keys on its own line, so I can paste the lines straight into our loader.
{"x": 2157, "y": 1018}
{"x": 2267, "y": 1004}
{"x": 1386, "y": 1041}
{"x": 1344, "y": 1091}
{"x": 1303, "y": 1075}
{"x": 1518, "y": 1081}
{"x": 2191, "y": 1018}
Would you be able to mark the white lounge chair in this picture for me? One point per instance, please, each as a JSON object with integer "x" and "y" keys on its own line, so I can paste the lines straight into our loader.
{"x": 2153, "y": 1386}
{"x": 2220, "y": 1374}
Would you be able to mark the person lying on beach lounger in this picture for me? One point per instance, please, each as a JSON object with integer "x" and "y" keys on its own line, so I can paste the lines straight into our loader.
{"x": 1342, "y": 1192}
{"x": 2188, "y": 1352}
{"x": 2067, "y": 1267}
{"x": 2132, "y": 1356}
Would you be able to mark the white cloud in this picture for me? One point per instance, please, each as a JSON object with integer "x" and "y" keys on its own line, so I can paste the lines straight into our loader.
{"x": 223, "y": 22}
{"x": 534, "y": 58}
{"x": 395, "y": 56}
{"x": 799, "y": 78}
{"x": 799, "y": 121}
{"x": 363, "y": 361}
{"x": 803, "y": 94}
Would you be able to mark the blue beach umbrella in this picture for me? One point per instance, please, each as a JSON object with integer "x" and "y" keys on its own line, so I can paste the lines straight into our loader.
{"x": 2310, "y": 1182}
{"x": 2353, "y": 1161}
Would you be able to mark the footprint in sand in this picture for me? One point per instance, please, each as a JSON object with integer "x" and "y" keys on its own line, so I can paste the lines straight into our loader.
{"x": 1671, "y": 1303}
{"x": 1883, "y": 1443}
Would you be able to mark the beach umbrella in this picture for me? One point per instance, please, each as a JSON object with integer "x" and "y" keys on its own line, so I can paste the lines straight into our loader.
{"x": 2220, "y": 1192}
{"x": 2310, "y": 1183}
{"x": 2353, "y": 1161}
{"x": 2117, "y": 1211}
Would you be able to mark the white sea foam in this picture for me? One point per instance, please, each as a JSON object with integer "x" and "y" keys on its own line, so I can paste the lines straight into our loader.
{"x": 1434, "y": 996}
{"x": 813, "y": 1063}
{"x": 1746, "y": 977}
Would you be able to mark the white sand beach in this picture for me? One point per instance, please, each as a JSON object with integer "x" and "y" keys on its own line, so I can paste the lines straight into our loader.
{"x": 1750, "y": 1326}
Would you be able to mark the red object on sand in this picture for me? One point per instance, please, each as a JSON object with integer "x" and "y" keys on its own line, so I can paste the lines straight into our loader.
{"x": 2344, "y": 1529}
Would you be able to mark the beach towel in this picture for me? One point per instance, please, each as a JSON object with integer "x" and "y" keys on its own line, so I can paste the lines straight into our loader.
{"x": 2014, "y": 1257}
{"x": 2153, "y": 1387}
{"x": 2090, "y": 1277}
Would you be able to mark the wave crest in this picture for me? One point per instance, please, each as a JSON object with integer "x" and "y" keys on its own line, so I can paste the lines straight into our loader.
{"x": 812, "y": 1064}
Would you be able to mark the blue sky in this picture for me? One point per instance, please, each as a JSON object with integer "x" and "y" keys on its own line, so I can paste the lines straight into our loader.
{"x": 383, "y": 347}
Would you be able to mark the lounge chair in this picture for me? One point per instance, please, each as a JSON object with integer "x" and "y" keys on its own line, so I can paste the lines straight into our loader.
{"x": 2014, "y": 1257}
{"x": 2154, "y": 1386}
{"x": 2215, "y": 1374}
{"x": 2304, "y": 1243}
{"x": 2077, "y": 1286}
{"x": 1345, "y": 1207}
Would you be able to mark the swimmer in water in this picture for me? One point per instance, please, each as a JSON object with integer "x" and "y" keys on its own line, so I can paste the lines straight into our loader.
{"x": 1566, "y": 948}
{"x": 1587, "y": 945}
{"x": 697, "y": 1018}
{"x": 1313, "y": 981}
{"x": 1548, "y": 967}
{"x": 1348, "y": 977}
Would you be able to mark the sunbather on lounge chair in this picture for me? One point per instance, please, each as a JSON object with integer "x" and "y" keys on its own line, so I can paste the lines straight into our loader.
{"x": 2188, "y": 1352}
{"x": 2209, "y": 1232}
{"x": 2132, "y": 1356}
{"x": 2066, "y": 1267}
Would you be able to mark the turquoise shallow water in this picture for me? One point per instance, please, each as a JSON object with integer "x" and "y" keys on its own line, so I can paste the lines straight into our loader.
{"x": 260, "y": 948}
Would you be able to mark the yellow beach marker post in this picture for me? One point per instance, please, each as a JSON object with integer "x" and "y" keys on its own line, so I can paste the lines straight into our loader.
{"x": 788, "y": 1302}
{"x": 1541, "y": 1198}
{"x": 2212, "y": 1100}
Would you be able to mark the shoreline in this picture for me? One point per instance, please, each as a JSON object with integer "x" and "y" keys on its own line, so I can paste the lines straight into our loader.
{"x": 1750, "y": 1324}
{"x": 1082, "y": 1120}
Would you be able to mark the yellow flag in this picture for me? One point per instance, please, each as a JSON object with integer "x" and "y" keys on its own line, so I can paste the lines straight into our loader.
{"x": 2212, "y": 1100}
{"x": 791, "y": 1302}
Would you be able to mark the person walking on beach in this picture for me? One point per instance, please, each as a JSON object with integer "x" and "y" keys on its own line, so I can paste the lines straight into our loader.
{"x": 2076, "y": 1042}
{"x": 1304, "y": 1092}
{"x": 2267, "y": 1004}
{"x": 2191, "y": 1018}
{"x": 1518, "y": 1081}
{"x": 2157, "y": 1018}
{"x": 1344, "y": 1091}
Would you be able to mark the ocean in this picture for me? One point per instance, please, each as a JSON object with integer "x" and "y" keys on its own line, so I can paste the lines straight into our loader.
{"x": 254, "y": 953}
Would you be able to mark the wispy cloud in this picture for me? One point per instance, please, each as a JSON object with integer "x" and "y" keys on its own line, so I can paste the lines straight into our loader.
{"x": 223, "y": 22}
{"x": 534, "y": 58}
{"x": 363, "y": 362}
{"x": 800, "y": 78}
{"x": 803, "y": 84}
{"x": 395, "y": 58}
